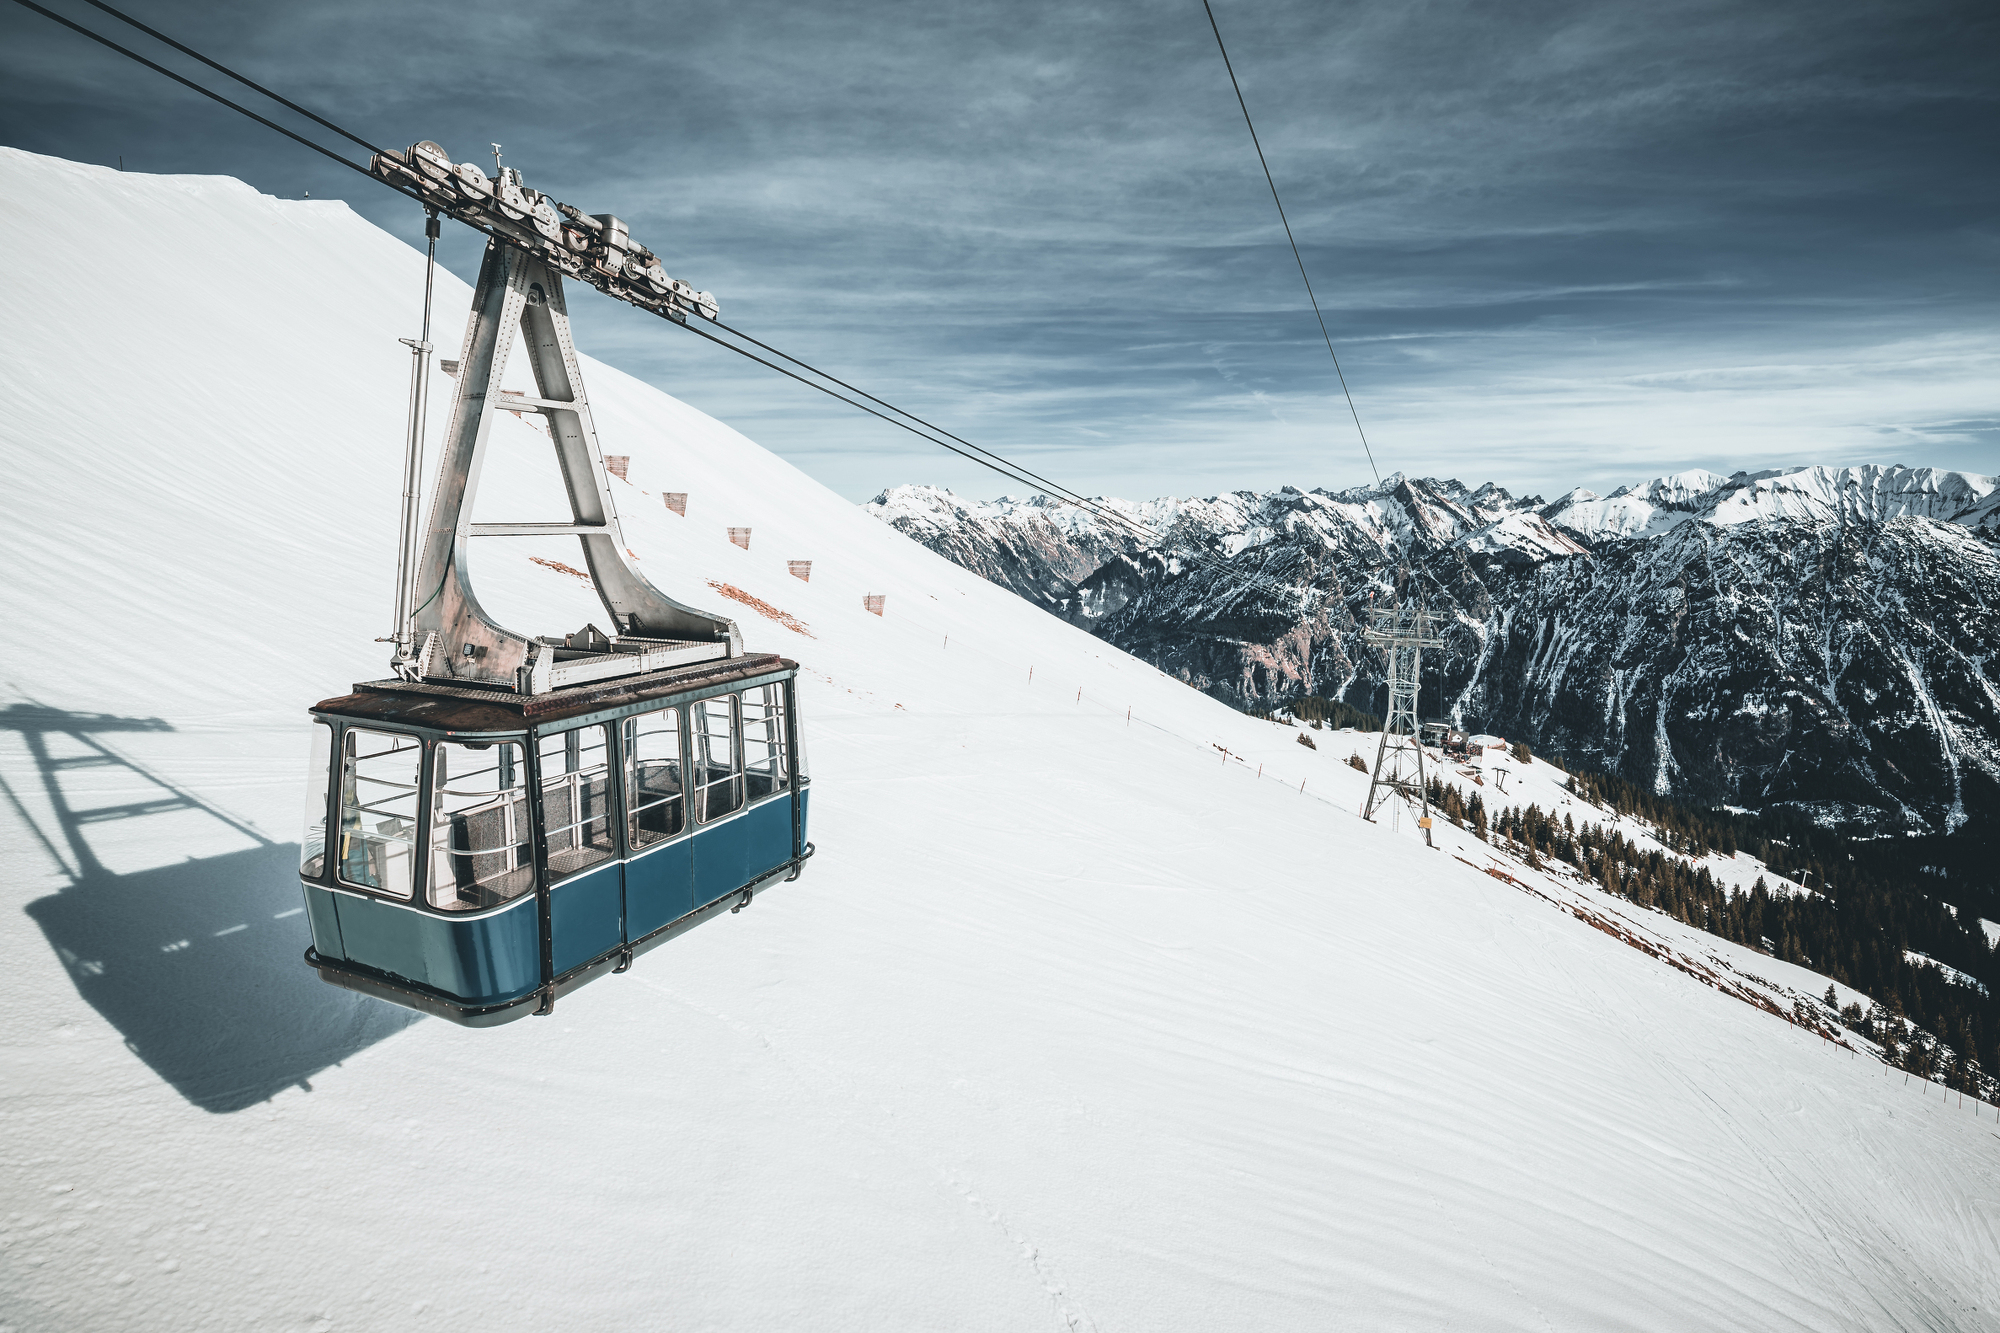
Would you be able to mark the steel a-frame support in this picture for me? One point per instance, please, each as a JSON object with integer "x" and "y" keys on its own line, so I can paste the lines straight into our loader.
{"x": 1402, "y": 633}
{"x": 451, "y": 636}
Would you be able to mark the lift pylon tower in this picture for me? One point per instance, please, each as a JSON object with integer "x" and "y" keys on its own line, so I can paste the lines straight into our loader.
{"x": 449, "y": 636}
{"x": 1403, "y": 633}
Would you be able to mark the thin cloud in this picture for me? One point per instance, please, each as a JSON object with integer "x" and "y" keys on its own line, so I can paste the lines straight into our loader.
{"x": 1686, "y": 233}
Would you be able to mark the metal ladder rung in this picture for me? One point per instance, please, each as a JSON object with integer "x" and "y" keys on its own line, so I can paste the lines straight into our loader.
{"x": 535, "y": 529}
{"x": 507, "y": 402}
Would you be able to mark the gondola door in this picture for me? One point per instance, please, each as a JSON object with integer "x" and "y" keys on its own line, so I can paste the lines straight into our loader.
{"x": 722, "y": 855}
{"x": 659, "y": 885}
{"x": 580, "y": 837}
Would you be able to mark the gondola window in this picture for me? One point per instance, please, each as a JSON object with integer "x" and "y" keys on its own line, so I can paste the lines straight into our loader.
{"x": 764, "y": 770}
{"x": 653, "y": 777}
{"x": 576, "y": 800}
{"x": 718, "y": 763}
{"x": 481, "y": 853}
{"x": 312, "y": 848}
{"x": 378, "y": 810}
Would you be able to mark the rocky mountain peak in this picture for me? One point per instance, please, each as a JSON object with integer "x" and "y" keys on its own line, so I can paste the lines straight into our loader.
{"x": 1813, "y": 636}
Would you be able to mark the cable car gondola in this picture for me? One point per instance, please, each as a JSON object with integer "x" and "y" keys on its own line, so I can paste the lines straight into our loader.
{"x": 507, "y": 818}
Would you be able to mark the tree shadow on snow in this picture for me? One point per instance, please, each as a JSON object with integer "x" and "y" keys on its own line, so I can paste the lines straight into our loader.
{"x": 199, "y": 964}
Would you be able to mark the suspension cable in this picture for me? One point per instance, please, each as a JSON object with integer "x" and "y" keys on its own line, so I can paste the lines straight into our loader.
{"x": 215, "y": 65}
{"x": 1293, "y": 240}
{"x": 1060, "y": 490}
{"x": 925, "y": 430}
{"x": 130, "y": 54}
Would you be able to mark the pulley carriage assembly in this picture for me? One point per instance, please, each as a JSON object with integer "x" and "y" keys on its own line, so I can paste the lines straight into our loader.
{"x": 596, "y": 248}
{"x": 442, "y": 634}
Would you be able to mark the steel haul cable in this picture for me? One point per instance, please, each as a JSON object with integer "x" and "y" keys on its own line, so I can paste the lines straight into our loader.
{"x": 1294, "y": 242}
{"x": 1019, "y": 473}
{"x": 1299, "y": 259}
{"x": 923, "y": 429}
{"x": 190, "y": 51}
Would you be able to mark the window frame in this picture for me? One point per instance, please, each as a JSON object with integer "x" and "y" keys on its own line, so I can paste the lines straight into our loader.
{"x": 326, "y": 754}
{"x": 779, "y": 727}
{"x": 614, "y": 814}
{"x": 418, "y": 823}
{"x": 627, "y": 761}
{"x": 525, "y": 833}
{"x": 734, "y": 705}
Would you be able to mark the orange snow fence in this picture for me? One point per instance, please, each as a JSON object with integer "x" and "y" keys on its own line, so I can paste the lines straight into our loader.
{"x": 763, "y": 608}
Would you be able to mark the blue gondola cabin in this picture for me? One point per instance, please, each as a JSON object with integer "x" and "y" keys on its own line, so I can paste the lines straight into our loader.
{"x": 490, "y": 852}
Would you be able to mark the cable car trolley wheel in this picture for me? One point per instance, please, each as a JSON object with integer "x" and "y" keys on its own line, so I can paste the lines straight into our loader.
{"x": 491, "y": 852}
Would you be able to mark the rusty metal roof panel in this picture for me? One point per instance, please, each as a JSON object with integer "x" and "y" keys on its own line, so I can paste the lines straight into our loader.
{"x": 456, "y": 708}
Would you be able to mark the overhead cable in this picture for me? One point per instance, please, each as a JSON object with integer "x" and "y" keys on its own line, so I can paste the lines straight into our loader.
{"x": 1006, "y": 468}
{"x": 1294, "y": 242}
{"x": 1060, "y": 491}
{"x": 1055, "y": 490}
{"x": 1003, "y": 466}
{"x": 215, "y": 65}
{"x": 923, "y": 429}
{"x": 130, "y": 54}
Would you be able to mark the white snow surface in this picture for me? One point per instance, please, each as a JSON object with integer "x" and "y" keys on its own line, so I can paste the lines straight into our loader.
{"x": 1072, "y": 1023}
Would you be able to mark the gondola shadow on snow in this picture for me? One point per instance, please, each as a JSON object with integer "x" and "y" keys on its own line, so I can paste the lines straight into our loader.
{"x": 198, "y": 963}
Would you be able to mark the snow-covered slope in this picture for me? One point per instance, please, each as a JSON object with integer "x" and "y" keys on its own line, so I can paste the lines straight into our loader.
{"x": 1073, "y": 1023}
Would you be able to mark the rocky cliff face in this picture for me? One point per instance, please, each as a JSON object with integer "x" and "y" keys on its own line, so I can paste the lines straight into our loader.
{"x": 1815, "y": 637}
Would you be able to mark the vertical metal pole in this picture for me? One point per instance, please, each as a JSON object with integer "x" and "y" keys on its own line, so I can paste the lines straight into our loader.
{"x": 788, "y": 692}
{"x": 1382, "y": 747}
{"x": 1416, "y": 722}
{"x": 413, "y": 456}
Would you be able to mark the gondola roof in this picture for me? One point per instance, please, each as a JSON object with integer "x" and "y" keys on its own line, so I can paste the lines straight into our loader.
{"x": 454, "y": 708}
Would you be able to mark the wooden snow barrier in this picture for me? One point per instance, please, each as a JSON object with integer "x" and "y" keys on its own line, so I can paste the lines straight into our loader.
{"x": 741, "y": 536}
{"x": 677, "y": 501}
{"x": 616, "y": 464}
{"x": 802, "y": 570}
{"x": 873, "y": 602}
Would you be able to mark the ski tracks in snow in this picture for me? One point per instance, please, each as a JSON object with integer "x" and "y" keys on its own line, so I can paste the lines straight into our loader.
{"x": 1070, "y": 1314}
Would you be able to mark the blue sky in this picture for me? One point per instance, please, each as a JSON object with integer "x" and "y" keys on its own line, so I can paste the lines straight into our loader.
{"x": 1557, "y": 243}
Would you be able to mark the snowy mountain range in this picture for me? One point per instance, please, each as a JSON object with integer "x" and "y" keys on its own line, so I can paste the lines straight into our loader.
{"x": 1818, "y": 637}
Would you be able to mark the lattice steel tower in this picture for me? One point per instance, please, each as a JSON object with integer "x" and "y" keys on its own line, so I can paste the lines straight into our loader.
{"x": 1403, "y": 632}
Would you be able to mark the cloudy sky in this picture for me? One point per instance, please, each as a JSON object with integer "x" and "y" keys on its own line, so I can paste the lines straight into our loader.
{"x": 1557, "y": 243}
